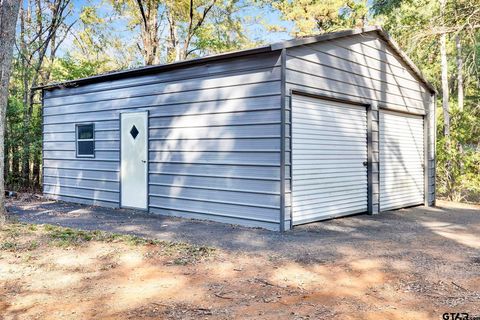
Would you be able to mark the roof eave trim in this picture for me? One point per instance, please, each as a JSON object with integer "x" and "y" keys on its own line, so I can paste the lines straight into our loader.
{"x": 322, "y": 37}
{"x": 151, "y": 69}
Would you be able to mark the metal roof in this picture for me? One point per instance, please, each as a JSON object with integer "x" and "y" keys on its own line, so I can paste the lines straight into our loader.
{"x": 268, "y": 48}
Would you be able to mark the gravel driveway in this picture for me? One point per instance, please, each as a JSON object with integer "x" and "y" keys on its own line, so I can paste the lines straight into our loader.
{"x": 407, "y": 264}
{"x": 450, "y": 226}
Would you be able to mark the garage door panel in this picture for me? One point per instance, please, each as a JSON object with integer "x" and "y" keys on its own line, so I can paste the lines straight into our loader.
{"x": 310, "y": 189}
{"x": 326, "y": 151}
{"x": 326, "y": 113}
{"x": 391, "y": 192}
{"x": 341, "y": 115}
{"x": 324, "y": 175}
{"x": 324, "y": 131}
{"x": 393, "y": 175}
{"x": 401, "y": 160}
{"x": 397, "y": 182}
{"x": 328, "y": 140}
{"x": 393, "y": 165}
{"x": 329, "y": 109}
{"x": 329, "y": 146}
{"x": 401, "y": 201}
{"x": 331, "y": 180}
{"x": 328, "y": 212}
{"x": 407, "y": 196}
{"x": 332, "y": 204}
{"x": 331, "y": 192}
{"x": 345, "y": 165}
{"x": 343, "y": 121}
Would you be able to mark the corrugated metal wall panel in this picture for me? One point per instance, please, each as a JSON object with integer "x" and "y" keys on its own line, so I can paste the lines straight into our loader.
{"x": 208, "y": 82}
{"x": 239, "y": 64}
{"x": 218, "y": 171}
{"x": 211, "y": 94}
{"x": 358, "y": 68}
{"x": 329, "y": 146}
{"x": 228, "y": 144}
{"x": 401, "y": 160}
{"x": 81, "y": 174}
{"x": 214, "y": 144}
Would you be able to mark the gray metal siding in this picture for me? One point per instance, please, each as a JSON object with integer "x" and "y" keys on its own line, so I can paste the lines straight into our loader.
{"x": 214, "y": 146}
{"x": 364, "y": 69}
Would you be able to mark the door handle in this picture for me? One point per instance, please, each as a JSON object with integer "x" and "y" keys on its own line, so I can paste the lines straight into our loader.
{"x": 365, "y": 163}
{"x": 144, "y": 161}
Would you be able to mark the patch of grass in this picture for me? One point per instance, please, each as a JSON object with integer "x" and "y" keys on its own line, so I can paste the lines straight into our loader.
{"x": 24, "y": 236}
{"x": 32, "y": 245}
{"x": 11, "y": 230}
{"x": 8, "y": 245}
{"x": 66, "y": 237}
{"x": 186, "y": 253}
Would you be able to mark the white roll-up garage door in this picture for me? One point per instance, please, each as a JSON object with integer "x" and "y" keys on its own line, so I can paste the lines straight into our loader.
{"x": 329, "y": 156}
{"x": 401, "y": 160}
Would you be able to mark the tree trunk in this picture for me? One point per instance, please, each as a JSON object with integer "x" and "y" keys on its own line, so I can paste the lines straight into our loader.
{"x": 149, "y": 31}
{"x": 173, "y": 49}
{"x": 6, "y": 159}
{"x": 445, "y": 93}
{"x": 24, "y": 17}
{"x": 8, "y": 19}
{"x": 444, "y": 68}
{"x": 16, "y": 164}
{"x": 458, "y": 45}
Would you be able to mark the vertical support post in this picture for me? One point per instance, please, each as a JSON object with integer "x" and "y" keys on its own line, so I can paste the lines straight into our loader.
{"x": 426, "y": 151}
{"x": 433, "y": 132}
{"x": 282, "y": 140}
{"x": 42, "y": 114}
{"x": 429, "y": 147}
{"x": 373, "y": 167}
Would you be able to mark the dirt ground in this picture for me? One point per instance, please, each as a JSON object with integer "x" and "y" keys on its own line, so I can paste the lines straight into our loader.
{"x": 416, "y": 263}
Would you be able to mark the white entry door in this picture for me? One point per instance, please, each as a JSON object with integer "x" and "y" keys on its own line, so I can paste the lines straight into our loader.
{"x": 134, "y": 159}
{"x": 401, "y": 160}
{"x": 329, "y": 159}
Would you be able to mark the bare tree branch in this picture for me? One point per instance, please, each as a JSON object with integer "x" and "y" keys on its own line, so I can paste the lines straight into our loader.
{"x": 142, "y": 12}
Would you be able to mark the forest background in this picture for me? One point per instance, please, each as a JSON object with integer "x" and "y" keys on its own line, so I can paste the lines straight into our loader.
{"x": 58, "y": 40}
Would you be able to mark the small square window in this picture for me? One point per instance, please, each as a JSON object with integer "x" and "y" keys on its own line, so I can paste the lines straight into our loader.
{"x": 85, "y": 131}
{"x": 85, "y": 140}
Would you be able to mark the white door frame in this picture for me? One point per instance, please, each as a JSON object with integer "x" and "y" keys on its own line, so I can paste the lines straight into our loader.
{"x": 146, "y": 115}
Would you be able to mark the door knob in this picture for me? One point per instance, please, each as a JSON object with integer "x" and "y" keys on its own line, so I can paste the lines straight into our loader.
{"x": 144, "y": 161}
{"x": 365, "y": 163}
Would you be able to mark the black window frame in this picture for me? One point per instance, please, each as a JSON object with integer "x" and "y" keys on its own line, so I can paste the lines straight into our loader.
{"x": 77, "y": 140}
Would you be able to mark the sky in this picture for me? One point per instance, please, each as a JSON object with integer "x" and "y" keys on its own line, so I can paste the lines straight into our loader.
{"x": 256, "y": 31}
{"x": 118, "y": 27}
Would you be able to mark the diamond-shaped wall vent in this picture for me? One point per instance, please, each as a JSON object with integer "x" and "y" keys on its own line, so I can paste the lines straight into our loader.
{"x": 134, "y": 132}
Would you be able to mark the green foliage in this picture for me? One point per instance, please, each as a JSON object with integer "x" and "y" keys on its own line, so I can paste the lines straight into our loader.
{"x": 68, "y": 68}
{"x": 458, "y": 158}
{"x": 416, "y": 25}
{"x": 312, "y": 16}
{"x": 106, "y": 36}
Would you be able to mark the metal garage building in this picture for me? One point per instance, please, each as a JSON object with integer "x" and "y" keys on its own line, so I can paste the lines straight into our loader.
{"x": 275, "y": 136}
